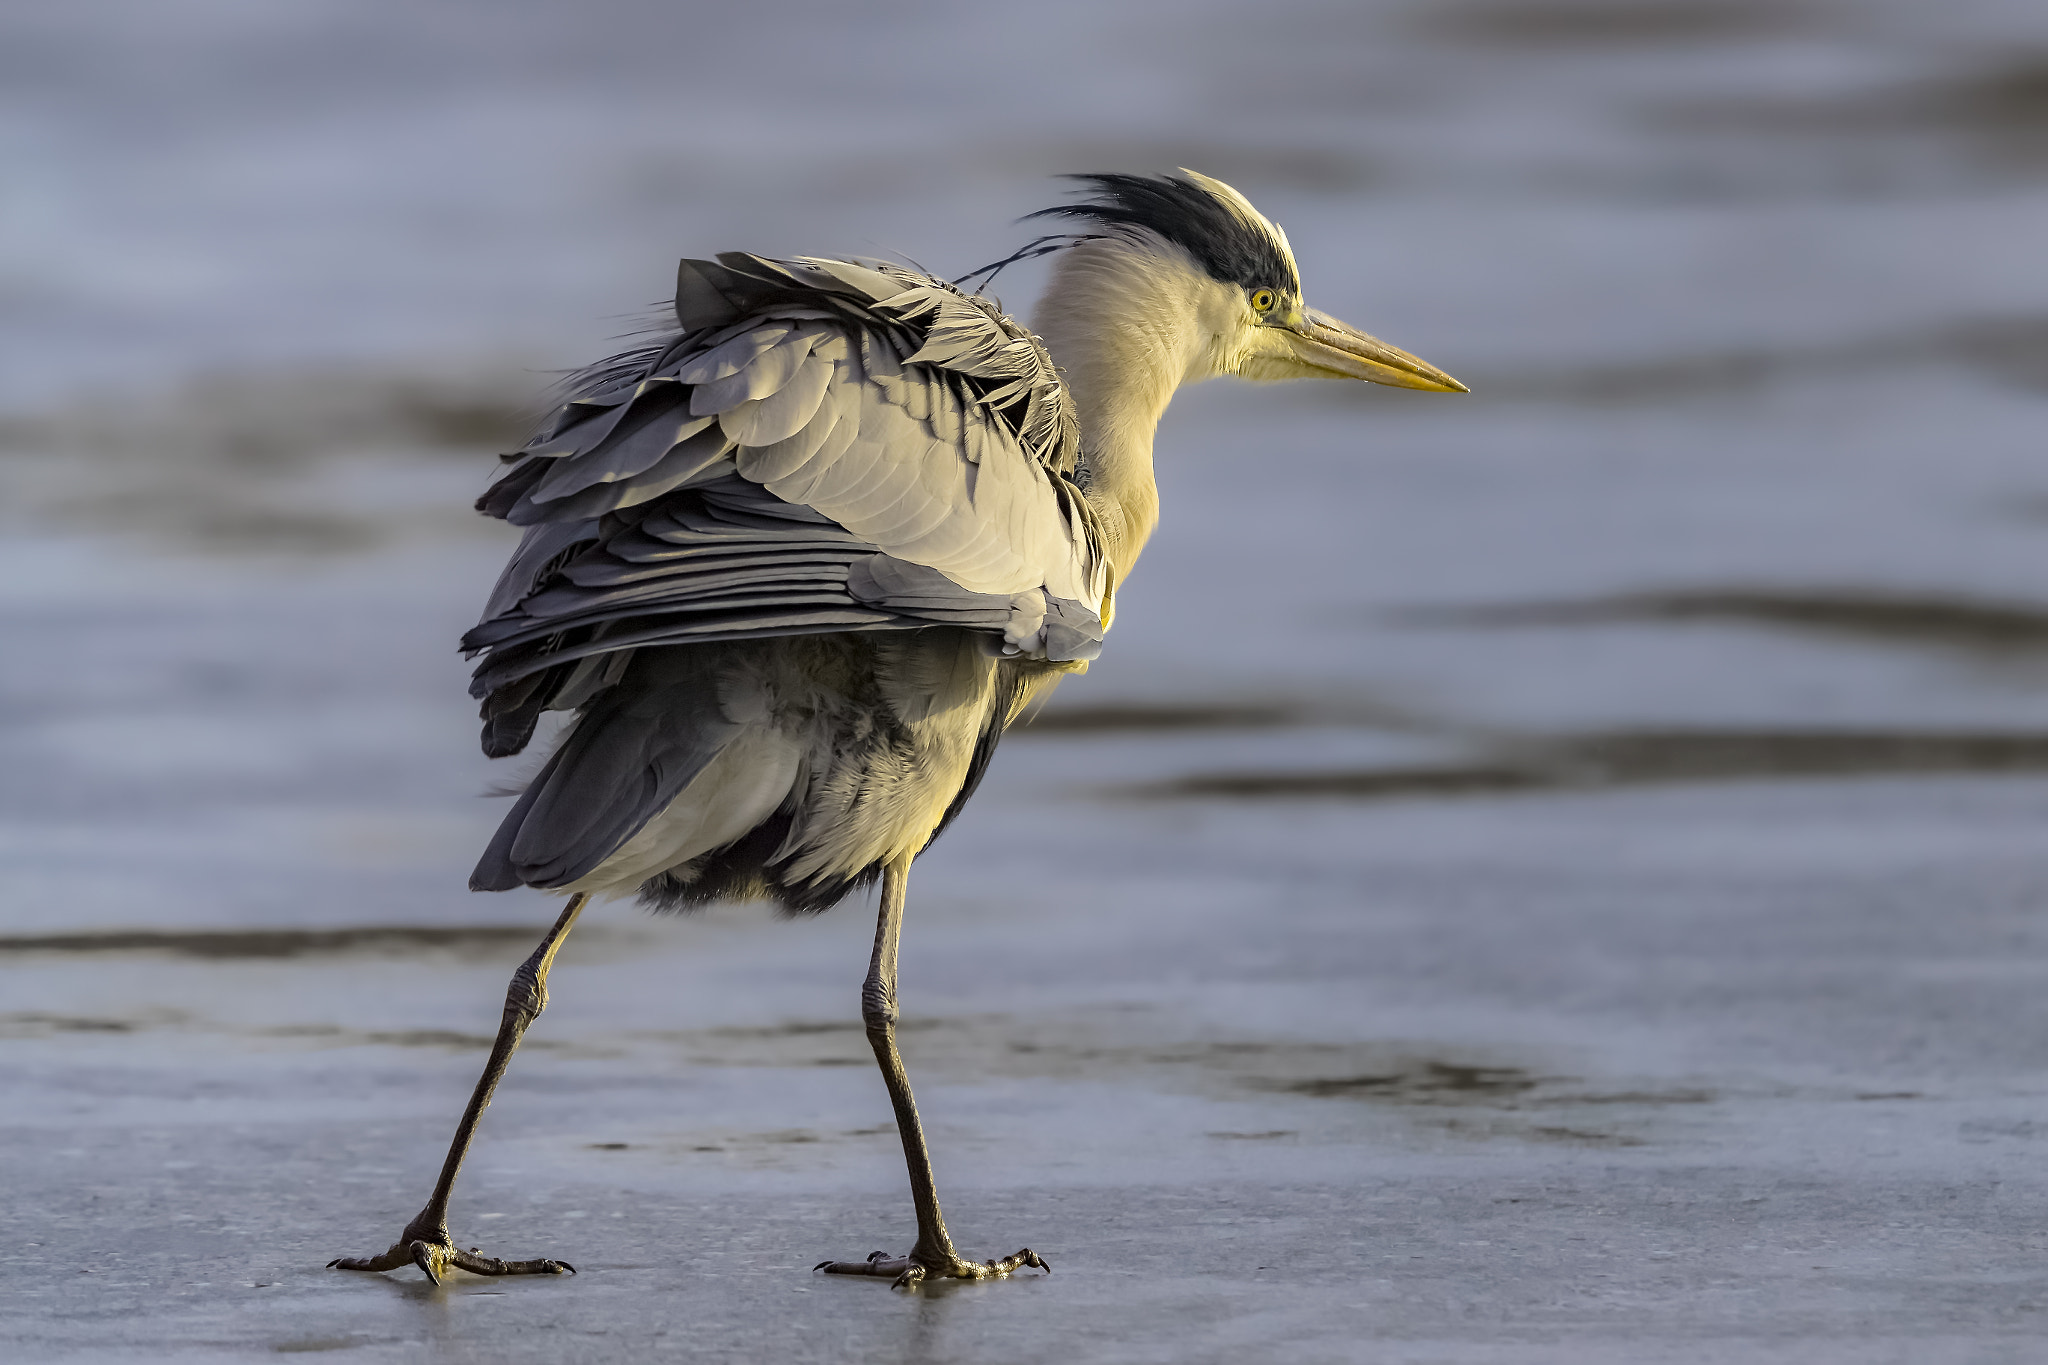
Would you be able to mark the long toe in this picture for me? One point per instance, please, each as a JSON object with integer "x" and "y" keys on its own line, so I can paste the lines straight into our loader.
{"x": 477, "y": 1264}
{"x": 1023, "y": 1258}
{"x": 906, "y": 1272}
{"x": 879, "y": 1263}
{"x": 398, "y": 1255}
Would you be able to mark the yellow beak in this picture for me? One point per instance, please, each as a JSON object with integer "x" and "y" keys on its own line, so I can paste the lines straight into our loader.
{"x": 1338, "y": 350}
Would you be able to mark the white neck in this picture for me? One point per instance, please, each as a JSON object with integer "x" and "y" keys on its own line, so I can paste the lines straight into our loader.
{"x": 1128, "y": 323}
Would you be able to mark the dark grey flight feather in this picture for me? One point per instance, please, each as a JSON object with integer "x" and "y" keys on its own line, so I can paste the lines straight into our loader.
{"x": 626, "y": 759}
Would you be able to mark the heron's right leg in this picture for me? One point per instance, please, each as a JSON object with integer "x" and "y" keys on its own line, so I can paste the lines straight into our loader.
{"x": 425, "y": 1241}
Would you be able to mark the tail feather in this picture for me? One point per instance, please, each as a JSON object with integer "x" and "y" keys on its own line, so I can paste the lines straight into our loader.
{"x": 636, "y": 745}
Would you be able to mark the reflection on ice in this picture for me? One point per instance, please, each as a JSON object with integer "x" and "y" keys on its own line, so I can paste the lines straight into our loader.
{"x": 235, "y": 944}
{"x": 1988, "y": 627}
{"x": 1635, "y": 1064}
{"x": 1510, "y": 764}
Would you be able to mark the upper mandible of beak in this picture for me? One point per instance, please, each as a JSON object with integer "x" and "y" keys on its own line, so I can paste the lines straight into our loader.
{"x": 1341, "y": 350}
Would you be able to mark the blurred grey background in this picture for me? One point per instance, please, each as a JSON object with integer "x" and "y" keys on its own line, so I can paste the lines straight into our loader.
{"x": 1549, "y": 874}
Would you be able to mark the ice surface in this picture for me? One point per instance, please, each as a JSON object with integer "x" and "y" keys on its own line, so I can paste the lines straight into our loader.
{"x": 1553, "y": 875}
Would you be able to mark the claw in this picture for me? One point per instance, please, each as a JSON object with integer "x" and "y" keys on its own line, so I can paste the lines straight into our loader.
{"x": 423, "y": 1256}
{"x": 911, "y": 1278}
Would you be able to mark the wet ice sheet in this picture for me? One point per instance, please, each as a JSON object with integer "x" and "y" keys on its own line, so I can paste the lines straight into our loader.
{"x": 1606, "y": 1063}
{"x": 1577, "y": 1079}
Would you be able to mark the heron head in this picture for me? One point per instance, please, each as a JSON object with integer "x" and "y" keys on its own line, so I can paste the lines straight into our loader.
{"x": 1242, "y": 284}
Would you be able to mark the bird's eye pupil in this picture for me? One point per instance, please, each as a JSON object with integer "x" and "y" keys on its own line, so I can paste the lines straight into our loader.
{"x": 1262, "y": 300}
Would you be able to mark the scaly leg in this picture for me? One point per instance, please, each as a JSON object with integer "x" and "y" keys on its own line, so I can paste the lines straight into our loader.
{"x": 933, "y": 1255}
{"x": 425, "y": 1241}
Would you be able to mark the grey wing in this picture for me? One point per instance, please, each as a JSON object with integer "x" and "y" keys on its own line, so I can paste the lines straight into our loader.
{"x": 827, "y": 447}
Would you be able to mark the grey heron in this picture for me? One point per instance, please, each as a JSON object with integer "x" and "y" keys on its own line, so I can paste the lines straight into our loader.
{"x": 796, "y": 567}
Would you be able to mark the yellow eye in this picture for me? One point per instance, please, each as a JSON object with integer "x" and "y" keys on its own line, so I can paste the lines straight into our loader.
{"x": 1262, "y": 300}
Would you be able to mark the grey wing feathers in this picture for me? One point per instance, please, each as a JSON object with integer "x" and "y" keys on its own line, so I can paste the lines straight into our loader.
{"x": 825, "y": 446}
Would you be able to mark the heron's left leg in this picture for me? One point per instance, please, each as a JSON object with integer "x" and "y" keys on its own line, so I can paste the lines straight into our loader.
{"x": 933, "y": 1255}
{"x": 425, "y": 1241}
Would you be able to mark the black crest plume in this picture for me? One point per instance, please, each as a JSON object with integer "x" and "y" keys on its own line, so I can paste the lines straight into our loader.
{"x": 1231, "y": 246}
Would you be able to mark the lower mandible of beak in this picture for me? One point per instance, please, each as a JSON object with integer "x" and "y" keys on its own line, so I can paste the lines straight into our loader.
{"x": 1341, "y": 350}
